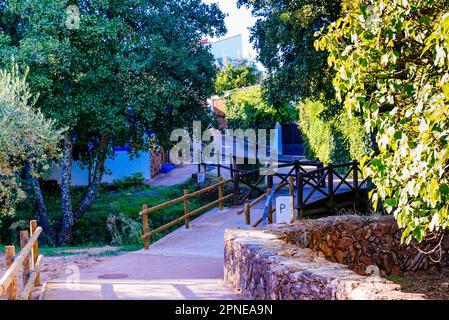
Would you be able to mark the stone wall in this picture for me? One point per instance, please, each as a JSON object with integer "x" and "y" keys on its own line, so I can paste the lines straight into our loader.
{"x": 264, "y": 267}
{"x": 359, "y": 242}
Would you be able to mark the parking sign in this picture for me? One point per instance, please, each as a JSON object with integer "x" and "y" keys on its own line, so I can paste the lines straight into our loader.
{"x": 284, "y": 209}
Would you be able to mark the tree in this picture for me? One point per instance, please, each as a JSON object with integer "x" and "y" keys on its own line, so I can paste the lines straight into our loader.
{"x": 28, "y": 141}
{"x": 247, "y": 108}
{"x": 132, "y": 66}
{"x": 284, "y": 38}
{"x": 233, "y": 77}
{"x": 392, "y": 63}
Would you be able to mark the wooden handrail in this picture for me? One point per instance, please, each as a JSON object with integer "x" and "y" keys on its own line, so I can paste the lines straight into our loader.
{"x": 22, "y": 260}
{"x": 182, "y": 218}
{"x": 25, "y": 295}
{"x": 182, "y": 198}
{"x": 187, "y": 214}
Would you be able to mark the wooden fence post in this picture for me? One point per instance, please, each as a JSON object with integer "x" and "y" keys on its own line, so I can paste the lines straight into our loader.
{"x": 320, "y": 175}
{"x": 355, "y": 175}
{"x": 236, "y": 188}
{"x": 247, "y": 213}
{"x": 270, "y": 207}
{"x": 218, "y": 164}
{"x": 330, "y": 182}
{"x": 355, "y": 180}
{"x": 231, "y": 166}
{"x": 145, "y": 227}
{"x": 26, "y": 261}
{"x": 300, "y": 194}
{"x": 12, "y": 289}
{"x": 291, "y": 186}
{"x": 35, "y": 252}
{"x": 220, "y": 193}
{"x": 186, "y": 208}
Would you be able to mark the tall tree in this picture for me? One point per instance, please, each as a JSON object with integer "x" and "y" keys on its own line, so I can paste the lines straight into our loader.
{"x": 284, "y": 38}
{"x": 28, "y": 141}
{"x": 392, "y": 59}
{"x": 131, "y": 66}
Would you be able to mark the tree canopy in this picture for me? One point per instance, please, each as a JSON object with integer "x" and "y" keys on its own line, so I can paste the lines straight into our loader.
{"x": 246, "y": 108}
{"x": 391, "y": 59}
{"x": 26, "y": 137}
{"x": 130, "y": 67}
{"x": 284, "y": 38}
{"x": 233, "y": 77}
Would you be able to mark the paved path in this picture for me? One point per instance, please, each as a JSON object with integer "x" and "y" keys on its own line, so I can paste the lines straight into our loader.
{"x": 186, "y": 264}
{"x": 179, "y": 175}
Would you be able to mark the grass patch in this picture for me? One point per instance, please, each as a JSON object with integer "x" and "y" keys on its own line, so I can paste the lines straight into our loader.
{"x": 91, "y": 229}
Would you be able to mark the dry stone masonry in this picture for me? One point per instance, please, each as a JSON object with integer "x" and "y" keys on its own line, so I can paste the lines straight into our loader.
{"x": 359, "y": 242}
{"x": 323, "y": 259}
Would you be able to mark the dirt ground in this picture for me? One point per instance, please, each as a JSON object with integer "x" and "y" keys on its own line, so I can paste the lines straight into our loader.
{"x": 63, "y": 264}
{"x": 433, "y": 286}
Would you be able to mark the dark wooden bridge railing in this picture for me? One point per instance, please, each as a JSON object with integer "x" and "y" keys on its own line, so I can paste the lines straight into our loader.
{"x": 327, "y": 176}
{"x": 253, "y": 179}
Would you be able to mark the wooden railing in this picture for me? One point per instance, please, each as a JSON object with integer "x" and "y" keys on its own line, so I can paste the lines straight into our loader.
{"x": 187, "y": 213}
{"x": 28, "y": 260}
{"x": 329, "y": 182}
{"x": 253, "y": 179}
{"x": 268, "y": 205}
{"x": 325, "y": 185}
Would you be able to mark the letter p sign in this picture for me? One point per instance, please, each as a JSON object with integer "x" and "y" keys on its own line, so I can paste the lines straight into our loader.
{"x": 72, "y": 21}
{"x": 284, "y": 209}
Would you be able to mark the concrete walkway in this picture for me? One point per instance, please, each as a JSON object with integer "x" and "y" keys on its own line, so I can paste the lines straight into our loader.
{"x": 186, "y": 264}
{"x": 179, "y": 175}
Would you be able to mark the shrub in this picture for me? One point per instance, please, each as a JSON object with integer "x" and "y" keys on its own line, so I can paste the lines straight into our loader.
{"x": 136, "y": 179}
{"x": 336, "y": 139}
{"x": 124, "y": 230}
{"x": 27, "y": 138}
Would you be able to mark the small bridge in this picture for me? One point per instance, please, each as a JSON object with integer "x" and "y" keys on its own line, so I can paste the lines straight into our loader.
{"x": 316, "y": 189}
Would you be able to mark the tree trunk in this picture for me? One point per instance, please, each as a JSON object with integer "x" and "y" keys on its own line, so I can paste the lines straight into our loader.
{"x": 65, "y": 233}
{"x": 97, "y": 178}
{"x": 44, "y": 221}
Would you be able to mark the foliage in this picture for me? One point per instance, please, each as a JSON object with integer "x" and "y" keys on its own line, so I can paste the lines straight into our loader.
{"x": 26, "y": 137}
{"x": 132, "y": 66}
{"x": 136, "y": 179}
{"x": 92, "y": 227}
{"x": 124, "y": 230}
{"x": 317, "y": 133}
{"x": 392, "y": 63}
{"x": 284, "y": 37}
{"x": 233, "y": 77}
{"x": 247, "y": 108}
{"x": 338, "y": 139}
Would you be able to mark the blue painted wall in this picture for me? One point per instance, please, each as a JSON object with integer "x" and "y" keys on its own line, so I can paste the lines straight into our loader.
{"x": 230, "y": 48}
{"x": 121, "y": 166}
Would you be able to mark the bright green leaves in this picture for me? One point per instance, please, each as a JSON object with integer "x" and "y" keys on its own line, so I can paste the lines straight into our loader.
{"x": 26, "y": 137}
{"x": 247, "y": 108}
{"x": 232, "y": 77}
{"x": 284, "y": 36}
{"x": 395, "y": 55}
